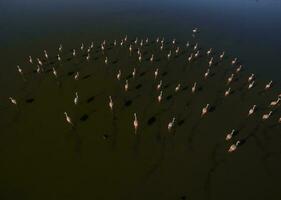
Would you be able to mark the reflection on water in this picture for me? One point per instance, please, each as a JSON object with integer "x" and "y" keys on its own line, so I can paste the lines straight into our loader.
{"x": 101, "y": 157}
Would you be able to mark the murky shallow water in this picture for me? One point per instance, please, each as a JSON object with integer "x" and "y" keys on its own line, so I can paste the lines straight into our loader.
{"x": 101, "y": 158}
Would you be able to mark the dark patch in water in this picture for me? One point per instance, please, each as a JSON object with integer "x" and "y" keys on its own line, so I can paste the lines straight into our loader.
{"x": 164, "y": 73}
{"x": 105, "y": 136}
{"x": 142, "y": 74}
{"x": 86, "y": 76}
{"x": 70, "y": 73}
{"x": 115, "y": 61}
{"x": 84, "y": 117}
{"x": 128, "y": 103}
{"x": 90, "y": 99}
{"x": 169, "y": 97}
{"x": 181, "y": 122}
{"x": 31, "y": 100}
{"x": 212, "y": 108}
{"x": 138, "y": 86}
{"x": 129, "y": 76}
{"x": 166, "y": 86}
{"x": 151, "y": 121}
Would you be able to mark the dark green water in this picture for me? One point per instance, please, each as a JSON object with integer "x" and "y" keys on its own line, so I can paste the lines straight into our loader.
{"x": 42, "y": 157}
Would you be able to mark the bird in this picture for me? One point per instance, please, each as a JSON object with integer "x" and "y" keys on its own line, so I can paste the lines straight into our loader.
{"x": 171, "y": 124}
{"x": 187, "y": 44}
{"x": 268, "y": 85}
{"x": 39, "y": 61}
{"x": 205, "y": 110}
{"x": 110, "y": 103}
{"x": 251, "y": 77}
{"x": 134, "y": 72}
{"x": 251, "y": 85}
{"x": 156, "y": 73}
{"x": 229, "y": 80}
{"x": 174, "y": 41}
{"x": 88, "y": 57}
{"x": 76, "y": 98}
{"x": 152, "y": 58}
{"x": 211, "y": 61}
{"x": 177, "y": 50}
{"x": 59, "y": 58}
{"x": 195, "y": 30}
{"x": 115, "y": 43}
{"x": 222, "y": 55}
{"x": 76, "y": 76}
{"x": 190, "y": 57}
{"x": 227, "y": 92}
{"x": 266, "y": 116}
{"x": 238, "y": 69}
{"x": 233, "y": 147}
{"x": 67, "y": 118}
{"x": 195, "y": 46}
{"x": 207, "y": 73}
{"x": 229, "y": 135}
{"x": 279, "y": 120}
{"x": 38, "y": 69}
{"x": 82, "y": 46}
{"x": 233, "y": 62}
{"x": 160, "y": 96}
{"x": 146, "y": 41}
{"x": 159, "y": 85}
{"x": 140, "y": 58}
{"x": 274, "y": 103}
{"x": 178, "y": 87}
{"x": 30, "y": 60}
{"x": 169, "y": 54}
{"x": 193, "y": 89}
{"x": 46, "y": 54}
{"x": 60, "y": 48}
{"x": 126, "y": 86}
{"x": 209, "y": 51}
{"x": 136, "y": 123}
{"x": 136, "y": 40}
{"x": 130, "y": 48}
{"x": 106, "y": 60}
{"x": 252, "y": 110}
{"x": 118, "y": 76}
{"x": 196, "y": 54}
{"x": 13, "y": 100}
{"x": 157, "y": 40}
{"x": 73, "y": 52}
{"x": 19, "y": 70}
{"x": 55, "y": 72}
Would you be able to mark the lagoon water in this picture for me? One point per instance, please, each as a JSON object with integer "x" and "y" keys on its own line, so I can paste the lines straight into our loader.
{"x": 42, "y": 157}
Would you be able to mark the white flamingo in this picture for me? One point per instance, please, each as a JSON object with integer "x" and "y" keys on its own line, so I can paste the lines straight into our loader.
{"x": 118, "y": 76}
{"x": 251, "y": 85}
{"x": 193, "y": 89}
{"x": 205, "y": 110}
{"x": 76, "y": 99}
{"x": 266, "y": 116}
{"x": 156, "y": 73}
{"x": 60, "y": 48}
{"x": 195, "y": 46}
{"x": 159, "y": 85}
{"x": 30, "y": 60}
{"x": 110, "y": 103}
{"x": 209, "y": 51}
{"x": 229, "y": 135}
{"x": 227, "y": 92}
{"x": 190, "y": 57}
{"x": 73, "y": 52}
{"x": 195, "y": 30}
{"x": 152, "y": 58}
{"x": 134, "y": 72}
{"x": 160, "y": 96}
{"x": 238, "y": 69}
{"x": 268, "y": 85}
{"x": 59, "y": 58}
{"x": 39, "y": 62}
{"x": 76, "y": 76}
{"x": 233, "y": 147}
{"x": 126, "y": 87}
{"x": 136, "y": 123}
{"x": 67, "y": 118}
{"x": 207, "y": 73}
{"x": 171, "y": 124}
{"x": 82, "y": 47}
{"x": 274, "y": 103}
{"x": 106, "y": 60}
{"x": 169, "y": 54}
{"x": 55, "y": 72}
{"x": 252, "y": 110}
{"x": 178, "y": 87}
{"x": 20, "y": 70}
{"x": 177, "y": 50}
{"x": 187, "y": 44}
{"x": 211, "y": 61}
{"x": 13, "y": 100}
{"x": 251, "y": 77}
{"x": 233, "y": 62}
{"x": 46, "y": 54}
{"x": 229, "y": 80}
{"x": 196, "y": 54}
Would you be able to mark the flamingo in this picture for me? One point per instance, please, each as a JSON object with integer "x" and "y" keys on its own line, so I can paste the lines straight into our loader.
{"x": 38, "y": 70}
{"x": 118, "y": 75}
{"x": 190, "y": 57}
{"x": 177, "y": 50}
{"x": 233, "y": 62}
{"x": 106, "y": 60}
{"x": 134, "y": 72}
{"x": 274, "y": 103}
{"x": 67, "y": 118}
{"x": 110, "y": 103}
{"x": 160, "y": 96}
{"x": 55, "y": 72}
{"x": 159, "y": 85}
{"x": 59, "y": 58}
{"x": 136, "y": 123}
{"x": 229, "y": 80}
{"x": 251, "y": 77}
{"x": 251, "y": 85}
{"x": 193, "y": 89}
{"x": 279, "y": 120}
{"x": 19, "y": 70}
{"x": 229, "y": 135}
{"x": 157, "y": 40}
{"x": 125, "y": 39}
{"x": 136, "y": 40}
{"x": 126, "y": 86}
{"x": 211, "y": 61}
{"x": 92, "y": 45}
{"x": 169, "y": 54}
{"x": 207, "y": 73}
{"x": 115, "y": 43}
{"x": 46, "y": 54}
{"x": 156, "y": 73}
{"x": 209, "y": 51}
{"x": 88, "y": 57}
{"x": 195, "y": 46}
{"x": 178, "y": 87}
{"x": 266, "y": 116}
{"x": 161, "y": 47}
{"x": 76, "y": 76}
{"x": 39, "y": 61}
{"x": 268, "y": 85}
{"x": 171, "y": 124}
{"x": 238, "y": 69}
{"x": 187, "y": 44}
{"x": 195, "y": 30}
{"x": 140, "y": 58}
{"x": 130, "y": 48}
{"x": 205, "y": 110}
{"x": 73, "y": 53}
{"x": 196, "y": 54}
{"x": 227, "y": 92}
{"x": 76, "y": 98}
{"x": 233, "y": 147}
{"x": 60, "y": 48}
{"x": 152, "y": 58}
{"x": 82, "y": 46}
{"x": 13, "y": 100}
{"x": 30, "y": 60}
{"x": 174, "y": 41}
{"x": 146, "y": 41}
{"x": 121, "y": 43}
{"x": 252, "y": 110}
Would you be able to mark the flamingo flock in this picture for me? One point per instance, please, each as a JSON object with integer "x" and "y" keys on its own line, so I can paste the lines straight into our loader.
{"x": 137, "y": 46}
